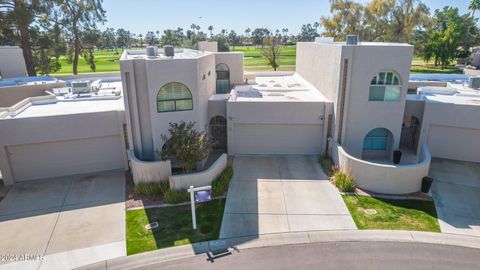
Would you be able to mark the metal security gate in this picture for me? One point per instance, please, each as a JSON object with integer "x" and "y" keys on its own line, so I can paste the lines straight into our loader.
{"x": 409, "y": 136}
{"x": 218, "y": 132}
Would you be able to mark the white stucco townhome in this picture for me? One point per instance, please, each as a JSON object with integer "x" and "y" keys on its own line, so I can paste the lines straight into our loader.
{"x": 348, "y": 100}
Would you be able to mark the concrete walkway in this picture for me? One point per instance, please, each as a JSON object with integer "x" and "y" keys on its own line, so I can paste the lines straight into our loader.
{"x": 456, "y": 192}
{"x": 275, "y": 194}
{"x": 63, "y": 223}
{"x": 243, "y": 243}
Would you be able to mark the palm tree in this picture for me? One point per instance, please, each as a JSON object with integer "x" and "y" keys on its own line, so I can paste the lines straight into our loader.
{"x": 317, "y": 24}
{"x": 210, "y": 28}
{"x": 474, "y": 6}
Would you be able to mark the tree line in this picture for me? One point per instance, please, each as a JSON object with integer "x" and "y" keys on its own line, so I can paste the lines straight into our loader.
{"x": 49, "y": 29}
{"x": 441, "y": 36}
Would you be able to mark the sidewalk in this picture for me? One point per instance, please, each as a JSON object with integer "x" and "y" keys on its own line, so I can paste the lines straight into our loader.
{"x": 241, "y": 243}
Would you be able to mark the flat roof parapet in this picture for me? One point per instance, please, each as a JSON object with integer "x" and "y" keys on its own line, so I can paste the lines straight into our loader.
{"x": 180, "y": 53}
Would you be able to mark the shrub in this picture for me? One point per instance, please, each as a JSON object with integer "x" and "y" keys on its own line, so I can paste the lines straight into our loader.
{"x": 327, "y": 165}
{"x": 221, "y": 183}
{"x": 185, "y": 145}
{"x": 176, "y": 196}
{"x": 343, "y": 181}
{"x": 151, "y": 189}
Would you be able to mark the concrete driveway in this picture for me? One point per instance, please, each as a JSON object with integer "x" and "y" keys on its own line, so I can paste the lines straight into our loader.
{"x": 66, "y": 222}
{"x": 274, "y": 194}
{"x": 456, "y": 192}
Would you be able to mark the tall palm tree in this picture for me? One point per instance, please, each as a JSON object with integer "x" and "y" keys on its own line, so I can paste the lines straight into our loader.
{"x": 210, "y": 28}
{"x": 474, "y": 6}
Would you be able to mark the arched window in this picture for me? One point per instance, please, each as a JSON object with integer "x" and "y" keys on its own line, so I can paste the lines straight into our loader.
{"x": 174, "y": 97}
{"x": 223, "y": 79}
{"x": 377, "y": 139}
{"x": 385, "y": 86}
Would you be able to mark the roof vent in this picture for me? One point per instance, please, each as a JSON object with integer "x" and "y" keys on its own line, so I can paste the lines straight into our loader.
{"x": 352, "y": 40}
{"x": 169, "y": 51}
{"x": 152, "y": 51}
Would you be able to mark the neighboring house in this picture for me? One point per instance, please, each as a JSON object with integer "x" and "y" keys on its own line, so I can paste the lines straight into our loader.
{"x": 61, "y": 134}
{"x": 348, "y": 100}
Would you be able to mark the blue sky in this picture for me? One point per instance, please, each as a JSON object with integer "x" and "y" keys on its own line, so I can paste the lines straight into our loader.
{"x": 141, "y": 16}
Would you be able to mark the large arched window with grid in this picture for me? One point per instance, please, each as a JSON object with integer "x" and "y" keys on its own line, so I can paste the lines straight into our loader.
{"x": 174, "y": 97}
{"x": 385, "y": 86}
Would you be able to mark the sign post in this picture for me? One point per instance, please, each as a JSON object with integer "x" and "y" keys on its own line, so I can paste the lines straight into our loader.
{"x": 199, "y": 194}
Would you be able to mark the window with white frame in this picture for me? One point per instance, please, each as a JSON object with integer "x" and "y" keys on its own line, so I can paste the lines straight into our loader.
{"x": 385, "y": 86}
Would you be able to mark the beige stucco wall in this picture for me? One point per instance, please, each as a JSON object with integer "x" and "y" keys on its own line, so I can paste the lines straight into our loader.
{"x": 146, "y": 77}
{"x": 12, "y": 62}
{"x": 143, "y": 78}
{"x": 208, "y": 46}
{"x": 234, "y": 61}
{"x": 322, "y": 65}
{"x": 362, "y": 115}
{"x": 452, "y": 131}
{"x": 149, "y": 171}
{"x": 189, "y": 72}
{"x": 199, "y": 179}
{"x": 217, "y": 107}
{"x": 88, "y": 131}
{"x": 383, "y": 178}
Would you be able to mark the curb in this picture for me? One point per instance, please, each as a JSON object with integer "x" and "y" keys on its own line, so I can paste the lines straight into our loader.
{"x": 294, "y": 238}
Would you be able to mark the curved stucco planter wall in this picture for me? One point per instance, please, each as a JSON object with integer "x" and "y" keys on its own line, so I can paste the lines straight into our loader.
{"x": 205, "y": 178}
{"x": 383, "y": 178}
{"x": 149, "y": 171}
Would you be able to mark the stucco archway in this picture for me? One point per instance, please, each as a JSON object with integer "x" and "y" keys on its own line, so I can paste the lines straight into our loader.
{"x": 377, "y": 144}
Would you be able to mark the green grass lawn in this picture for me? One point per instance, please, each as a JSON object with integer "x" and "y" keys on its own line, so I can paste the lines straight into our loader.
{"x": 413, "y": 215}
{"x": 419, "y": 66}
{"x": 175, "y": 226}
{"x": 254, "y": 59}
{"x": 107, "y": 61}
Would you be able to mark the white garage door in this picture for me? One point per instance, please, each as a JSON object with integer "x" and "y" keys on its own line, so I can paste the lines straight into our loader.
{"x": 277, "y": 139}
{"x": 454, "y": 143}
{"x": 42, "y": 160}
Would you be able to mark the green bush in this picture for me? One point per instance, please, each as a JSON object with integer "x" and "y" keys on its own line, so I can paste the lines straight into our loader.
{"x": 344, "y": 182}
{"x": 151, "y": 189}
{"x": 176, "y": 196}
{"x": 221, "y": 183}
{"x": 327, "y": 165}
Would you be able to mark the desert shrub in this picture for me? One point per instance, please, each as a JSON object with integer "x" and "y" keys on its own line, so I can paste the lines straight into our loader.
{"x": 176, "y": 196}
{"x": 343, "y": 181}
{"x": 151, "y": 189}
{"x": 221, "y": 183}
{"x": 326, "y": 164}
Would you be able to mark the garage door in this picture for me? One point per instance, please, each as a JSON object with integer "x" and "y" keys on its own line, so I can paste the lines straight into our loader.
{"x": 277, "y": 139}
{"x": 42, "y": 160}
{"x": 454, "y": 143}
